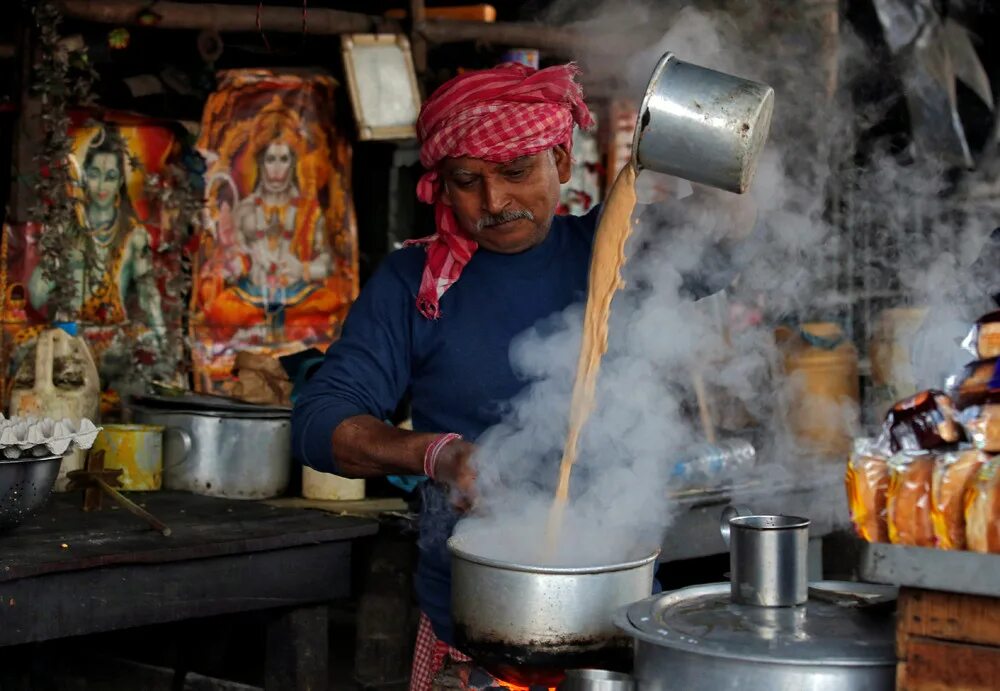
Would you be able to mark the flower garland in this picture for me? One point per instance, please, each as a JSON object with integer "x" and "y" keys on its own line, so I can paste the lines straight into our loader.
{"x": 63, "y": 76}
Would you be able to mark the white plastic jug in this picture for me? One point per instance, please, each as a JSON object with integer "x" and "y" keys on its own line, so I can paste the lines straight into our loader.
{"x": 45, "y": 399}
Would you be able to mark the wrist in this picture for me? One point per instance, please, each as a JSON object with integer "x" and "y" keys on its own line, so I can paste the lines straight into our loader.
{"x": 433, "y": 452}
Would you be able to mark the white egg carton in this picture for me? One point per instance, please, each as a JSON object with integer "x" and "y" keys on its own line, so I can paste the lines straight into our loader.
{"x": 34, "y": 436}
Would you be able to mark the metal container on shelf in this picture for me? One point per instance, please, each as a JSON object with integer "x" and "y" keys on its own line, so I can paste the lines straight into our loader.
{"x": 25, "y": 485}
{"x": 220, "y": 448}
{"x": 841, "y": 638}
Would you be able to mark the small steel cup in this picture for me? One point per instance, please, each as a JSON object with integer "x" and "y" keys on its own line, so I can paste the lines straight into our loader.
{"x": 768, "y": 560}
{"x": 702, "y": 125}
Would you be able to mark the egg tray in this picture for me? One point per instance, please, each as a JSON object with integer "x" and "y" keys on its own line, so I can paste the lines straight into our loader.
{"x": 25, "y": 437}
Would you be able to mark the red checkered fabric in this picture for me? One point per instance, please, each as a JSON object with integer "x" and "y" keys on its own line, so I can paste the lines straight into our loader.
{"x": 496, "y": 115}
{"x": 429, "y": 656}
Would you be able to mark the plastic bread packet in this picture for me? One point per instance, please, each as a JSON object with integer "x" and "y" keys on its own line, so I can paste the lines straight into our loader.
{"x": 954, "y": 472}
{"x": 923, "y": 422}
{"x": 867, "y": 482}
{"x": 982, "y": 509}
{"x": 908, "y": 499}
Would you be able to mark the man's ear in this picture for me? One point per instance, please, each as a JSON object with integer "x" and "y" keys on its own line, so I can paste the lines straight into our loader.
{"x": 564, "y": 163}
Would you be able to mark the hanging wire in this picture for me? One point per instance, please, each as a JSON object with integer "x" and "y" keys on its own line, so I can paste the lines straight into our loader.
{"x": 260, "y": 30}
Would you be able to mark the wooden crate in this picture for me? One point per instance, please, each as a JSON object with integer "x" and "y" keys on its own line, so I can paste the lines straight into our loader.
{"x": 947, "y": 641}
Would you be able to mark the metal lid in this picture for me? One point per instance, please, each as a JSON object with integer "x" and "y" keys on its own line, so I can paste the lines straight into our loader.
{"x": 843, "y": 623}
{"x": 205, "y": 404}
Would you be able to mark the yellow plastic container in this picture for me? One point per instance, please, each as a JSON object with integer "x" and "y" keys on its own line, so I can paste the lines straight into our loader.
{"x": 823, "y": 389}
{"x": 137, "y": 450}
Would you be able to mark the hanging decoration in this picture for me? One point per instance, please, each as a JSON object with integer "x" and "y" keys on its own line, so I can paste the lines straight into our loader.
{"x": 118, "y": 39}
{"x": 277, "y": 266}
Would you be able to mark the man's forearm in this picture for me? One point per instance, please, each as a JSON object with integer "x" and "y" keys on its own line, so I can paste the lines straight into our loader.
{"x": 364, "y": 446}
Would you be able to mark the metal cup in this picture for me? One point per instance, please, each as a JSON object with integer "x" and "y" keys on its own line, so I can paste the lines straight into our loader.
{"x": 768, "y": 559}
{"x": 596, "y": 680}
{"x": 702, "y": 125}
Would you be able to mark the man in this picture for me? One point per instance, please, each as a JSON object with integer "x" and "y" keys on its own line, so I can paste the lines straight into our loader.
{"x": 437, "y": 318}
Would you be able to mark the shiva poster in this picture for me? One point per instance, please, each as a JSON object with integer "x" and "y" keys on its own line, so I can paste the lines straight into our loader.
{"x": 277, "y": 266}
{"x": 114, "y": 263}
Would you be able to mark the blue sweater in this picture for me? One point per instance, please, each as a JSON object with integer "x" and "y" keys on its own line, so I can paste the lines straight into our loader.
{"x": 457, "y": 369}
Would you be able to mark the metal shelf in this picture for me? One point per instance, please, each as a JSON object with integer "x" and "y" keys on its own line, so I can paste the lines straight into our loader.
{"x": 955, "y": 571}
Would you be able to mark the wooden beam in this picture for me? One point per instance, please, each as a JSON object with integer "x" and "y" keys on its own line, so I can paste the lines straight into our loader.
{"x": 417, "y": 42}
{"x": 227, "y": 18}
{"x": 553, "y": 40}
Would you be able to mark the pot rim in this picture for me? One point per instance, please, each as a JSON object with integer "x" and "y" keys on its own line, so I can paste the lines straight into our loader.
{"x": 454, "y": 546}
{"x": 662, "y": 64}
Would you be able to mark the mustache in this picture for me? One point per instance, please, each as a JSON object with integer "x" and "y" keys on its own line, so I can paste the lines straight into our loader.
{"x": 505, "y": 216}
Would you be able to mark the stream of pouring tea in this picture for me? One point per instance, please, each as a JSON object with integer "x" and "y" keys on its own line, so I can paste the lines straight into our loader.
{"x": 606, "y": 264}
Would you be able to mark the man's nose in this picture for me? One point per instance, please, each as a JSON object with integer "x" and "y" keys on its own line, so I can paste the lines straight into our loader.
{"x": 495, "y": 197}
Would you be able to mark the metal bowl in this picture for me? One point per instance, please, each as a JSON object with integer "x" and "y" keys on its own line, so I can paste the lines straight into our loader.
{"x": 25, "y": 485}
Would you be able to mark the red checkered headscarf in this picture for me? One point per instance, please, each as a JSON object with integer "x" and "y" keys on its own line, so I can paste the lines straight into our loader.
{"x": 496, "y": 115}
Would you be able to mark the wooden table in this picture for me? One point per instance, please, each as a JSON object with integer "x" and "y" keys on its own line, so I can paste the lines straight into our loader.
{"x": 69, "y": 573}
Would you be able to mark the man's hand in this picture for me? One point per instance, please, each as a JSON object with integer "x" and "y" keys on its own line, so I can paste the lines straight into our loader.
{"x": 454, "y": 468}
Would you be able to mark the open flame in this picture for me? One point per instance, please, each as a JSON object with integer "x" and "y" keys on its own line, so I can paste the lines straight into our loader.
{"x": 511, "y": 686}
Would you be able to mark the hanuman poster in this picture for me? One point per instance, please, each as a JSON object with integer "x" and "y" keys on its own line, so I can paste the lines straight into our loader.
{"x": 276, "y": 269}
{"x": 119, "y": 300}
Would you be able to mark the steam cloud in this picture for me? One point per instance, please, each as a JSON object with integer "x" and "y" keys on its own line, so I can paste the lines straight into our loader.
{"x": 791, "y": 249}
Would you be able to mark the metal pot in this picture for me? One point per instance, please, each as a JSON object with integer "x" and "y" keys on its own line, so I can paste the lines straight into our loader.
{"x": 236, "y": 455}
{"x": 25, "y": 485}
{"x": 696, "y": 639}
{"x": 527, "y": 624}
{"x": 701, "y": 125}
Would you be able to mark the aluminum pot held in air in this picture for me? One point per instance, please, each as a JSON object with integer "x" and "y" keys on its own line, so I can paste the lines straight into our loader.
{"x": 702, "y": 125}
{"x": 528, "y": 624}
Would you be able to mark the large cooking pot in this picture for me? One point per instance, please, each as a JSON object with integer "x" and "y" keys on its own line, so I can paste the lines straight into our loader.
{"x": 235, "y": 452}
{"x": 527, "y": 624}
{"x": 697, "y": 639}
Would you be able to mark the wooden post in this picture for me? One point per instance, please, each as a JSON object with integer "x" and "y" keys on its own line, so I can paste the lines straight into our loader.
{"x": 418, "y": 15}
{"x": 297, "y": 656}
{"x": 27, "y": 140}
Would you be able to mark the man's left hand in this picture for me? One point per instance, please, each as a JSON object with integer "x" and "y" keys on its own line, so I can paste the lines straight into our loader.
{"x": 454, "y": 468}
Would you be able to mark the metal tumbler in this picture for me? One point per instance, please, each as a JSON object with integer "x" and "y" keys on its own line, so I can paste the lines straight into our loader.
{"x": 702, "y": 125}
{"x": 768, "y": 560}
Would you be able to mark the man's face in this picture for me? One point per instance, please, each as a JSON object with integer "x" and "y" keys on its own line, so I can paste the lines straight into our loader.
{"x": 277, "y": 167}
{"x": 505, "y": 207}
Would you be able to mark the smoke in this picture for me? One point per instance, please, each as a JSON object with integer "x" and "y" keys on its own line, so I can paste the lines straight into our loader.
{"x": 792, "y": 254}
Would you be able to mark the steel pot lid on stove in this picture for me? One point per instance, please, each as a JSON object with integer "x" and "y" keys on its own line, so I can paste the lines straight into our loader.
{"x": 842, "y": 624}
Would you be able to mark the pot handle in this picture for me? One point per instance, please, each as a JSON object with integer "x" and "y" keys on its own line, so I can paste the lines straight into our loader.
{"x": 729, "y": 513}
{"x": 186, "y": 445}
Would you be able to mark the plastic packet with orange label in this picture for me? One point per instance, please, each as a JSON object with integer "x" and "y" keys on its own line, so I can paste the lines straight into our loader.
{"x": 982, "y": 509}
{"x": 867, "y": 480}
{"x": 908, "y": 499}
{"x": 954, "y": 472}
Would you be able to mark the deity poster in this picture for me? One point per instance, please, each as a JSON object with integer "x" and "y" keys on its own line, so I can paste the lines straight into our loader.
{"x": 277, "y": 267}
{"x": 116, "y": 268}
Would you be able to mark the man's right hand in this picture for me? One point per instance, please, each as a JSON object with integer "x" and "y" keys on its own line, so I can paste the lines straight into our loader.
{"x": 454, "y": 468}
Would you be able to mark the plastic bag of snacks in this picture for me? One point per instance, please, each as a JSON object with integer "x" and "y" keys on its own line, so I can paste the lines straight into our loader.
{"x": 908, "y": 499}
{"x": 978, "y": 402}
{"x": 867, "y": 481}
{"x": 954, "y": 472}
{"x": 982, "y": 509}
{"x": 925, "y": 421}
{"x": 983, "y": 340}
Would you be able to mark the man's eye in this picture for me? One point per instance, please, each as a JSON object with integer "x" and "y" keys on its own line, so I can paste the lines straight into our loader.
{"x": 516, "y": 173}
{"x": 464, "y": 183}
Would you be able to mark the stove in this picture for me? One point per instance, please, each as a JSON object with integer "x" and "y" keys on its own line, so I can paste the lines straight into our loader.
{"x": 468, "y": 676}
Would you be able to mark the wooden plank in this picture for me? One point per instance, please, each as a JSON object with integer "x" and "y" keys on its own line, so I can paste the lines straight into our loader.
{"x": 947, "y": 616}
{"x": 298, "y": 650}
{"x": 64, "y": 538}
{"x": 222, "y": 17}
{"x": 360, "y": 507}
{"x": 77, "y": 603}
{"x": 935, "y": 665}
